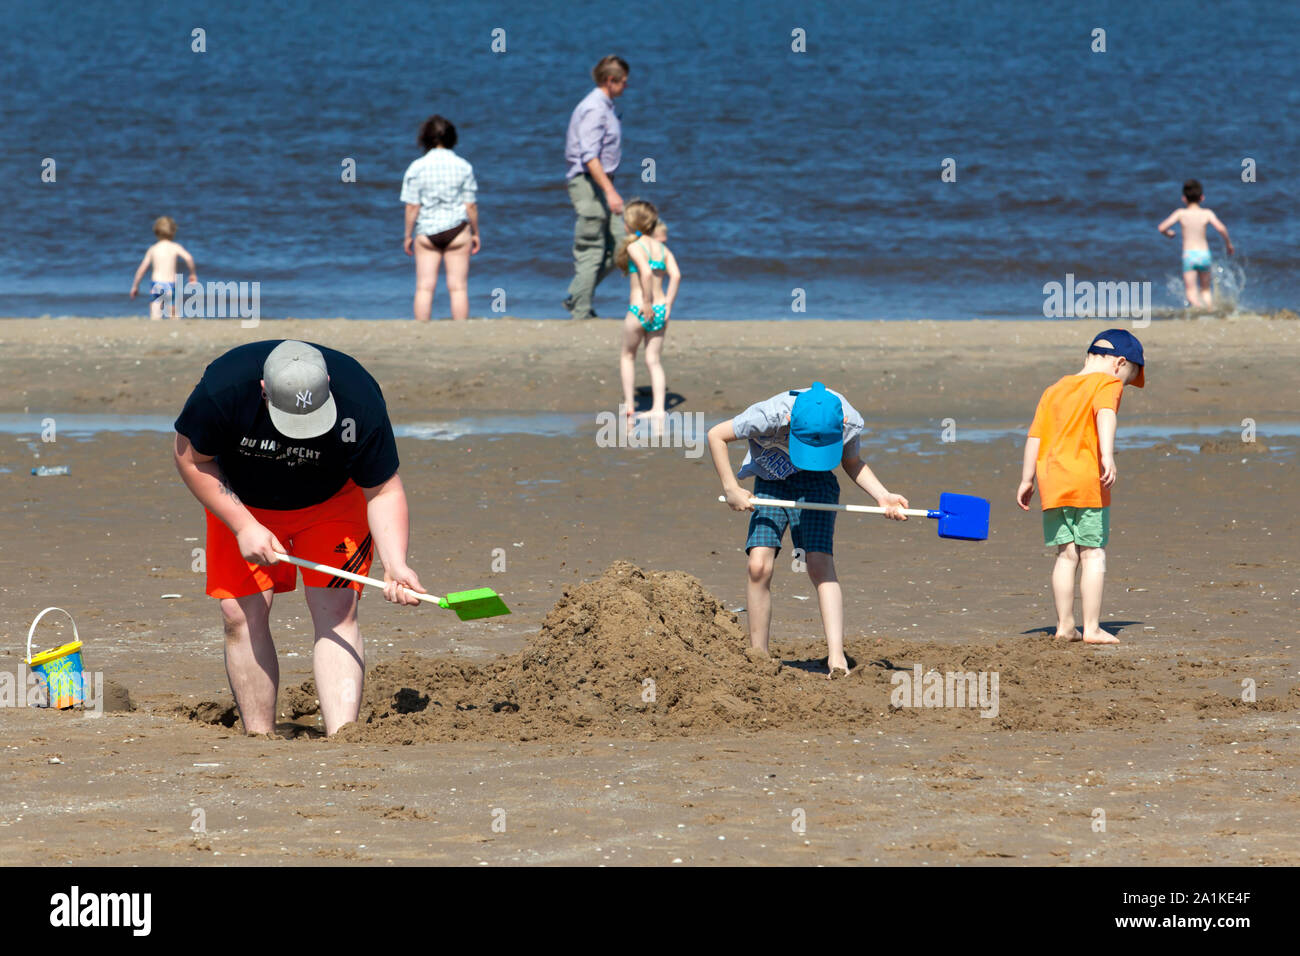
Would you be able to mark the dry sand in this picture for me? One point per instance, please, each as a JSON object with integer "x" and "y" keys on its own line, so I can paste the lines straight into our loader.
{"x": 541, "y": 722}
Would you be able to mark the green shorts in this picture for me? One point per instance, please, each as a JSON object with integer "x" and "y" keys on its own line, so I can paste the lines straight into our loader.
{"x": 1086, "y": 527}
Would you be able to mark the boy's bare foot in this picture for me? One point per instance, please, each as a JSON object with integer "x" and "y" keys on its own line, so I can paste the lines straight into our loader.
{"x": 832, "y": 667}
{"x": 1100, "y": 637}
{"x": 1067, "y": 632}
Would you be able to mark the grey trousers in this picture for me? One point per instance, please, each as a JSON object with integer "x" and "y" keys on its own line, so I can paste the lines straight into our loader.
{"x": 595, "y": 237}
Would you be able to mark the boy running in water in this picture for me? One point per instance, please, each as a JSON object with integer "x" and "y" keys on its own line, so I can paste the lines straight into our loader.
{"x": 1193, "y": 219}
{"x": 163, "y": 256}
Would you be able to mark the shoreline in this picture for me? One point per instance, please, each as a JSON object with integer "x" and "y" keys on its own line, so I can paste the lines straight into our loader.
{"x": 1158, "y": 315}
{"x": 913, "y": 374}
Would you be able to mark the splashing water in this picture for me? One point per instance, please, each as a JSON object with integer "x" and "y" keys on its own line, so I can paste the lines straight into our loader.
{"x": 1227, "y": 281}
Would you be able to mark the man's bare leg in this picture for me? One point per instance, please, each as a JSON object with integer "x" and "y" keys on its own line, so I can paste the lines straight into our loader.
{"x": 338, "y": 660}
{"x": 1067, "y": 562}
{"x": 758, "y": 595}
{"x": 821, "y": 571}
{"x": 1090, "y": 586}
{"x": 251, "y": 664}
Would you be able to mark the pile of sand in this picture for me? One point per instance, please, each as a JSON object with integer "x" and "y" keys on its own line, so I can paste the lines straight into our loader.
{"x": 628, "y": 654}
{"x": 647, "y": 653}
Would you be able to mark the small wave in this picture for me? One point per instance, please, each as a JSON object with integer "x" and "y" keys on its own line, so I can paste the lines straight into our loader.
{"x": 1227, "y": 283}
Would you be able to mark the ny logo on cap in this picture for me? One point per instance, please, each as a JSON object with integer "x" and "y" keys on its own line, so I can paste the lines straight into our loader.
{"x": 304, "y": 397}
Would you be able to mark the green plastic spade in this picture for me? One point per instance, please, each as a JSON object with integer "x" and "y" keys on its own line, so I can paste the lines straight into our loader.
{"x": 468, "y": 605}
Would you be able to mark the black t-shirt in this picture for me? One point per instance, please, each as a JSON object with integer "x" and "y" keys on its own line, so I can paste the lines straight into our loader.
{"x": 226, "y": 417}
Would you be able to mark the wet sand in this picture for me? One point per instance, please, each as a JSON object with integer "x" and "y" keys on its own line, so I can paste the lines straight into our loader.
{"x": 1153, "y": 732}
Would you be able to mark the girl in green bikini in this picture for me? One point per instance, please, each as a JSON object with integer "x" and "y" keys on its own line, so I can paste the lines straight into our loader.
{"x": 646, "y": 259}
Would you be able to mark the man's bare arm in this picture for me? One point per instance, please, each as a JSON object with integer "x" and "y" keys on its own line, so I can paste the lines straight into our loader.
{"x": 606, "y": 185}
{"x": 598, "y": 173}
{"x": 205, "y": 481}
{"x": 389, "y": 519}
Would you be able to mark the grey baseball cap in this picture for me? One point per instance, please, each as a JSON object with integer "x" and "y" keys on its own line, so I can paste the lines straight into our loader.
{"x": 298, "y": 386}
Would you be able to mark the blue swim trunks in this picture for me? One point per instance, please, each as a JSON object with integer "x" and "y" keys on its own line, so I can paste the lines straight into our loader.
{"x": 809, "y": 530}
{"x": 1196, "y": 260}
{"x": 161, "y": 289}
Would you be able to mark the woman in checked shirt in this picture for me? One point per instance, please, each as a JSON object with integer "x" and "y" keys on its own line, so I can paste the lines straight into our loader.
{"x": 441, "y": 218}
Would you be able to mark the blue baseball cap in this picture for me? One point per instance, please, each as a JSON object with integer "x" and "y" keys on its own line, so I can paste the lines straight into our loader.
{"x": 1125, "y": 345}
{"x": 816, "y": 429}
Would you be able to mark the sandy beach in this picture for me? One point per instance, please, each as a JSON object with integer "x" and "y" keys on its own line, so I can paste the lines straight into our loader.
{"x": 621, "y": 566}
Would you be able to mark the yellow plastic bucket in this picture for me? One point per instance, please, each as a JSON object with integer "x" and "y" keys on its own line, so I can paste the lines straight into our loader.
{"x": 60, "y": 668}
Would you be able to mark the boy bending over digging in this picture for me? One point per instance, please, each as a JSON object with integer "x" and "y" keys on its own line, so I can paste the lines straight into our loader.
{"x": 1071, "y": 452}
{"x": 795, "y": 440}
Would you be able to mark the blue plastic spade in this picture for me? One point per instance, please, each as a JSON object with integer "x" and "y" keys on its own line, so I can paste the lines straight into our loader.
{"x": 962, "y": 516}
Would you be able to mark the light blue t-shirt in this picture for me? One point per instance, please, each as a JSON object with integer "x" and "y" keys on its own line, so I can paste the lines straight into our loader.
{"x": 766, "y": 425}
{"x": 594, "y": 133}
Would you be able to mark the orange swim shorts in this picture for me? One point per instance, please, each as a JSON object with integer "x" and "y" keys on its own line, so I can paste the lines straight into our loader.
{"x": 334, "y": 532}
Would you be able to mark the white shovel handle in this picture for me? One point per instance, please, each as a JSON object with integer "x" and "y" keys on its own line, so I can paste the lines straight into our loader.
{"x": 818, "y": 506}
{"x": 32, "y": 630}
{"x": 359, "y": 578}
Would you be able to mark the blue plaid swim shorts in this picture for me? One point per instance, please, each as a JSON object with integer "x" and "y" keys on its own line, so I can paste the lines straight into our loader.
{"x": 809, "y": 530}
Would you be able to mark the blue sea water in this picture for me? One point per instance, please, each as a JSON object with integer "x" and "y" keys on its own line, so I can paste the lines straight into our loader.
{"x": 777, "y": 170}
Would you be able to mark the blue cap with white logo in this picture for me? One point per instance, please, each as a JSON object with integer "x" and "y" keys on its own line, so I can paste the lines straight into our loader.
{"x": 817, "y": 429}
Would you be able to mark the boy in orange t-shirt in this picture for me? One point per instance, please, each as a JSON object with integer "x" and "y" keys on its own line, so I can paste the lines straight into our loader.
{"x": 1071, "y": 451}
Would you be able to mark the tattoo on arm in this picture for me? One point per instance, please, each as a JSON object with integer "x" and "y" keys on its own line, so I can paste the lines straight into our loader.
{"x": 225, "y": 487}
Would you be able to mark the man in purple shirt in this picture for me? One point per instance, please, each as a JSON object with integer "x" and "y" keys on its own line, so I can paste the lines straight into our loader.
{"x": 593, "y": 149}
